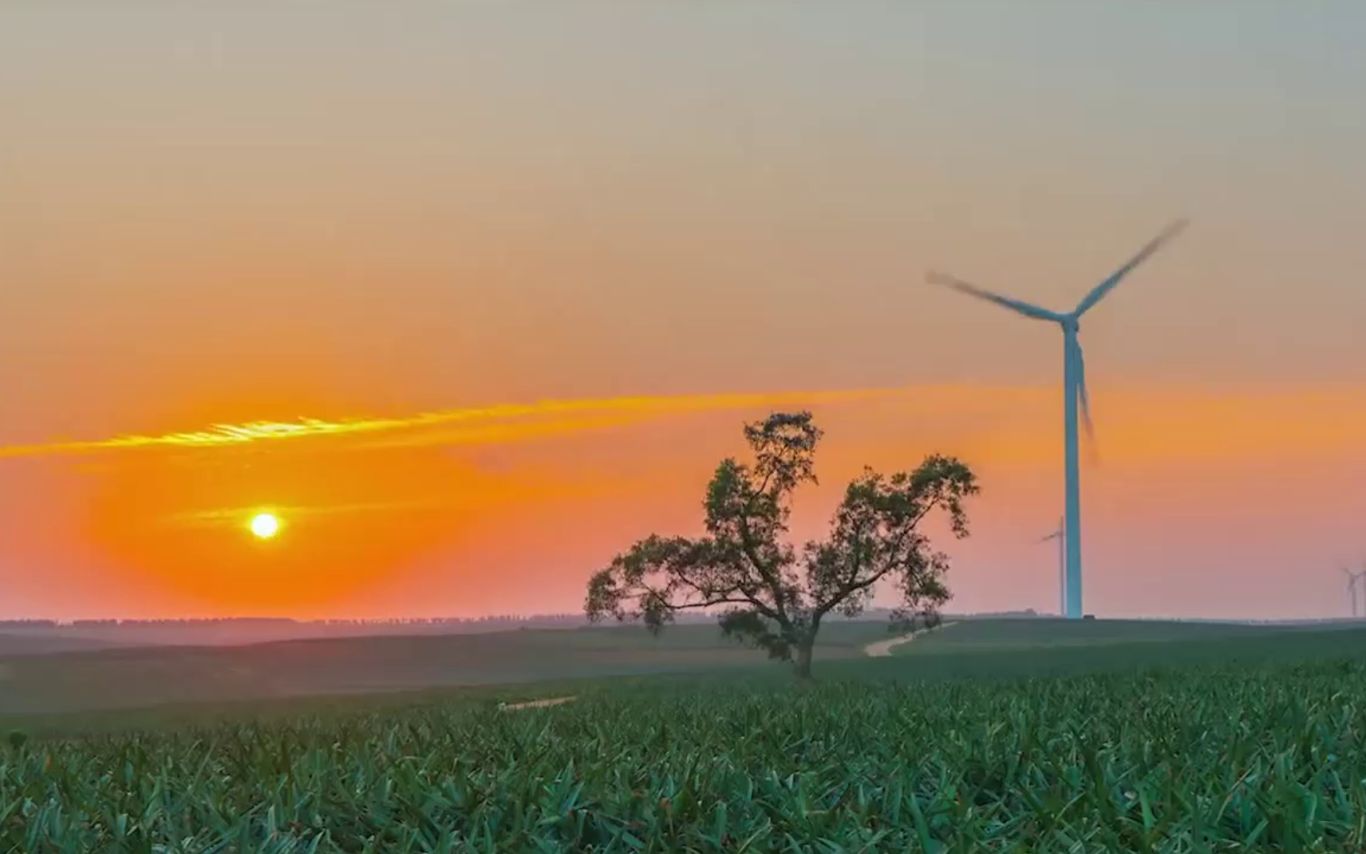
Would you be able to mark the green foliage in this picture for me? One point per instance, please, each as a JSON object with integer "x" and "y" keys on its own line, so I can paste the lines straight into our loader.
{"x": 769, "y": 593}
{"x": 1223, "y": 756}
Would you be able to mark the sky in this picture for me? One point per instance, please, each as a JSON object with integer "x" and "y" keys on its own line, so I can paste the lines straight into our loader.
{"x": 498, "y": 284}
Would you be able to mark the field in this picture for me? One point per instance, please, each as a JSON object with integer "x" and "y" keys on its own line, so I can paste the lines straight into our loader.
{"x": 146, "y": 676}
{"x": 1019, "y": 634}
{"x": 1004, "y": 735}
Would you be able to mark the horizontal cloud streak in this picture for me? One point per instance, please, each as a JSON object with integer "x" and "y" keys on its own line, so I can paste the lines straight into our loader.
{"x": 1143, "y": 422}
{"x": 476, "y": 423}
{"x": 241, "y": 515}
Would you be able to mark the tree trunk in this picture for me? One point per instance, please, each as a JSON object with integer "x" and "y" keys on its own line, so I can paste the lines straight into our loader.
{"x": 803, "y": 663}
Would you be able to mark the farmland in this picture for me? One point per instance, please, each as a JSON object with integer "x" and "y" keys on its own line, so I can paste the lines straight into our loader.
{"x": 1222, "y": 739}
{"x": 156, "y": 675}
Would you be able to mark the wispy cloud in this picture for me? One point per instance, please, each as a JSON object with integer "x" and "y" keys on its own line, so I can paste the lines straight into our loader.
{"x": 240, "y": 515}
{"x": 490, "y": 424}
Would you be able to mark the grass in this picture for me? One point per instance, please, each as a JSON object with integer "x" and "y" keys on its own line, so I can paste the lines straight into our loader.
{"x": 1210, "y": 743}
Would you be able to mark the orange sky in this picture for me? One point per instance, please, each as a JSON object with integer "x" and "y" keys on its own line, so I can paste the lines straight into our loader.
{"x": 508, "y": 509}
{"x": 409, "y": 229}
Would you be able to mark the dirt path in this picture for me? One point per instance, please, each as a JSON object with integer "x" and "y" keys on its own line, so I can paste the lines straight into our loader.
{"x": 883, "y": 648}
{"x": 535, "y": 704}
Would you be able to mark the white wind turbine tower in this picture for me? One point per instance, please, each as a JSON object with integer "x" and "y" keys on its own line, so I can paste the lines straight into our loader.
{"x": 1062, "y": 565}
{"x": 1074, "y": 392}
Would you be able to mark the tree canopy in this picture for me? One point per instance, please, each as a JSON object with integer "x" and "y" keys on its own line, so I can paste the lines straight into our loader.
{"x": 767, "y": 591}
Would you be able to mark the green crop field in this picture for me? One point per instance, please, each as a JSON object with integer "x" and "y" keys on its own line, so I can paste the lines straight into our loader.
{"x": 1033, "y": 633}
{"x": 1207, "y": 740}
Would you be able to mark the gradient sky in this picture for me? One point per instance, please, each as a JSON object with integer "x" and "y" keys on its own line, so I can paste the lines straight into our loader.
{"x": 675, "y": 218}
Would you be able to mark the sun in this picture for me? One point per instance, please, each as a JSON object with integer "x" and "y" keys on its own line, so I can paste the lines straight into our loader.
{"x": 265, "y": 525}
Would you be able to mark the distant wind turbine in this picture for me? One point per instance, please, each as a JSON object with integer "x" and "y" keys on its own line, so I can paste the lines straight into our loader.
{"x": 1353, "y": 578}
{"x": 1074, "y": 392}
{"x": 1062, "y": 565}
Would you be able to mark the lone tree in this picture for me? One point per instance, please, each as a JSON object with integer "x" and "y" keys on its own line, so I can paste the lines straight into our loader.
{"x": 773, "y": 595}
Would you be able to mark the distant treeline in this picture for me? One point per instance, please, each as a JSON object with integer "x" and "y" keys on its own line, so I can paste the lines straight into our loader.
{"x": 236, "y": 630}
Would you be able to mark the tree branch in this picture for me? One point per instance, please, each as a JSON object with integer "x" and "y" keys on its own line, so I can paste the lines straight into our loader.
{"x": 765, "y": 571}
{"x": 710, "y": 602}
{"x": 748, "y": 599}
{"x": 851, "y": 588}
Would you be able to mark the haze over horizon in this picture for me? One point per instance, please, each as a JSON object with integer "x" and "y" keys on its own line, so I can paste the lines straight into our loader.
{"x": 469, "y": 334}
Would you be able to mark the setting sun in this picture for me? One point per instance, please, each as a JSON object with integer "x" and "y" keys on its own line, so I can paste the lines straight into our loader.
{"x": 265, "y": 525}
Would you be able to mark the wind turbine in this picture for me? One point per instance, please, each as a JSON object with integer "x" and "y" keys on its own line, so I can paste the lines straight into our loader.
{"x": 1062, "y": 565}
{"x": 1353, "y": 578}
{"x": 1074, "y": 391}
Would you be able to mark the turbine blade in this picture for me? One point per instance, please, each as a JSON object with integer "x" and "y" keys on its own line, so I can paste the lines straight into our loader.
{"x": 1082, "y": 397}
{"x": 1018, "y": 306}
{"x": 1084, "y": 403}
{"x": 1099, "y": 291}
